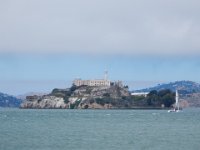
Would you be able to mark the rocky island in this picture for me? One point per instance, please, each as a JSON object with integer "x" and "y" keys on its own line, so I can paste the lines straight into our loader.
{"x": 115, "y": 96}
{"x": 99, "y": 94}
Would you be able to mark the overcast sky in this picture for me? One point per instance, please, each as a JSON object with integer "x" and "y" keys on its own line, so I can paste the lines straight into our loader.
{"x": 101, "y": 26}
{"x": 149, "y": 34}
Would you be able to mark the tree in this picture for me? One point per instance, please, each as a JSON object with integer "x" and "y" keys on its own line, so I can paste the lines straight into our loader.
{"x": 166, "y": 97}
{"x": 168, "y": 100}
{"x": 73, "y": 88}
{"x": 164, "y": 92}
{"x": 154, "y": 92}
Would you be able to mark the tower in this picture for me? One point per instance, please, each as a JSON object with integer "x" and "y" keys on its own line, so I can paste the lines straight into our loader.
{"x": 106, "y": 75}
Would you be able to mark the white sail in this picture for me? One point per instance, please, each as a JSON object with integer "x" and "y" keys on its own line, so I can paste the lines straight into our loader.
{"x": 177, "y": 103}
{"x": 176, "y": 107}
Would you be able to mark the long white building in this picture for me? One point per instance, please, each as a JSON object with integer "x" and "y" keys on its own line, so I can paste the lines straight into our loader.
{"x": 94, "y": 82}
{"x": 140, "y": 94}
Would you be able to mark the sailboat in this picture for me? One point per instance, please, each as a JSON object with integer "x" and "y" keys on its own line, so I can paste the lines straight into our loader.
{"x": 176, "y": 107}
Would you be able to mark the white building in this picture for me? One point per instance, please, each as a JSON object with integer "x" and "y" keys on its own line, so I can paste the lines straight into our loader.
{"x": 95, "y": 82}
{"x": 140, "y": 93}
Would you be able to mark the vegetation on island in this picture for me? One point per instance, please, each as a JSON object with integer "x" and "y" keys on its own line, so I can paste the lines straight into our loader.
{"x": 115, "y": 96}
{"x": 165, "y": 97}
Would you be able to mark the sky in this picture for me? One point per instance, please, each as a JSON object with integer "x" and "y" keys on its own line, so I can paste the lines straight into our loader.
{"x": 45, "y": 44}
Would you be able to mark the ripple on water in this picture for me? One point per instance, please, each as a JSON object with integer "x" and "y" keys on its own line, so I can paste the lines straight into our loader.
{"x": 91, "y": 129}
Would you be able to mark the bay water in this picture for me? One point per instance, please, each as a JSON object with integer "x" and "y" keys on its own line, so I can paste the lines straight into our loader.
{"x": 57, "y": 129}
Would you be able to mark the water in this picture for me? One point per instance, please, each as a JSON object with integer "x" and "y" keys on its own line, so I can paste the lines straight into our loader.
{"x": 99, "y": 130}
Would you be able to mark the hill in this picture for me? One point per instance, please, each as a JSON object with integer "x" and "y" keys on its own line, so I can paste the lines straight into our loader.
{"x": 184, "y": 87}
{"x": 189, "y": 92}
{"x": 9, "y": 101}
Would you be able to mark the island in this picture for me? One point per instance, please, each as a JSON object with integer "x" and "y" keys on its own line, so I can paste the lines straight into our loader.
{"x": 99, "y": 94}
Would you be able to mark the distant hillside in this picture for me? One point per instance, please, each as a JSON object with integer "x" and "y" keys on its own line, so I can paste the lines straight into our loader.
{"x": 189, "y": 92}
{"x": 184, "y": 87}
{"x": 9, "y": 101}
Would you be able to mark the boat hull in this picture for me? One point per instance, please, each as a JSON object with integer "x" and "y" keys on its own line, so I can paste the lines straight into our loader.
{"x": 173, "y": 111}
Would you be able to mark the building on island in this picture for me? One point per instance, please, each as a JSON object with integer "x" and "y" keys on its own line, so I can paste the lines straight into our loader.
{"x": 140, "y": 94}
{"x": 94, "y": 82}
{"x": 32, "y": 98}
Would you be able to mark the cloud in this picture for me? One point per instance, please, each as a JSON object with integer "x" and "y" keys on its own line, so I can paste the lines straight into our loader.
{"x": 136, "y": 27}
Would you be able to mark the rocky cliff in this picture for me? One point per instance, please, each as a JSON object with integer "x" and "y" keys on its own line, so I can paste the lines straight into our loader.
{"x": 43, "y": 102}
{"x": 82, "y": 97}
